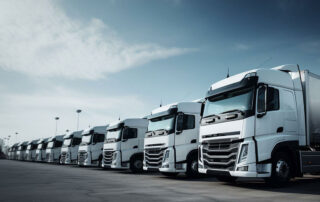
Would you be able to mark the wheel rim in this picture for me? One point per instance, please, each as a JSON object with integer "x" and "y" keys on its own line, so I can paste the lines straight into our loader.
{"x": 282, "y": 169}
{"x": 138, "y": 164}
{"x": 194, "y": 166}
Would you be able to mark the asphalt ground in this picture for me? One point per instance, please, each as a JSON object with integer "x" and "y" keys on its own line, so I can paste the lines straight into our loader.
{"x": 30, "y": 181}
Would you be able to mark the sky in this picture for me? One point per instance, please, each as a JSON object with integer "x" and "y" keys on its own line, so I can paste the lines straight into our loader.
{"x": 121, "y": 58}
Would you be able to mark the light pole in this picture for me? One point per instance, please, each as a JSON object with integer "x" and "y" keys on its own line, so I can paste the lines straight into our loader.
{"x": 78, "y": 112}
{"x": 57, "y": 118}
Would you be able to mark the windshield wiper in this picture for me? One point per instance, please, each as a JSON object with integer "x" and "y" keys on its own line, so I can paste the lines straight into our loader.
{"x": 233, "y": 110}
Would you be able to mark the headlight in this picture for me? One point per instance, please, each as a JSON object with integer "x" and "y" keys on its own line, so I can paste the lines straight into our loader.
{"x": 166, "y": 156}
{"x": 114, "y": 157}
{"x": 243, "y": 153}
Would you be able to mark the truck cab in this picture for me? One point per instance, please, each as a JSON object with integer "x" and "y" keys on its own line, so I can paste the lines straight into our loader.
{"x": 123, "y": 147}
{"x": 171, "y": 142}
{"x": 70, "y": 147}
{"x": 91, "y": 146}
{"x": 53, "y": 149}
{"x": 22, "y": 147}
{"x": 31, "y": 150}
{"x": 41, "y": 149}
{"x": 12, "y": 151}
{"x": 257, "y": 124}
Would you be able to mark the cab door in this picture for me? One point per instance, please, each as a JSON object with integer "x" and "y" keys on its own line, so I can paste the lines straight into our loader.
{"x": 129, "y": 143}
{"x": 275, "y": 118}
{"x": 186, "y": 136}
{"x": 97, "y": 146}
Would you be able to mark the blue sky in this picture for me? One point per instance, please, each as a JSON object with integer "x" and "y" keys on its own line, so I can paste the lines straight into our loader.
{"x": 120, "y": 57}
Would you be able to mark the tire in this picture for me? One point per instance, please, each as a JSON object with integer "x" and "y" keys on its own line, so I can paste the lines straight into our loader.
{"x": 100, "y": 162}
{"x": 281, "y": 170}
{"x": 169, "y": 174}
{"x": 136, "y": 164}
{"x": 229, "y": 179}
{"x": 192, "y": 167}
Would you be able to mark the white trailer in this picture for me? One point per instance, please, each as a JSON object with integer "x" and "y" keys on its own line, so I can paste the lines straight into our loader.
{"x": 31, "y": 150}
{"x": 171, "y": 142}
{"x": 53, "y": 150}
{"x": 262, "y": 123}
{"x": 90, "y": 150}
{"x": 70, "y": 148}
{"x": 41, "y": 150}
{"x": 123, "y": 147}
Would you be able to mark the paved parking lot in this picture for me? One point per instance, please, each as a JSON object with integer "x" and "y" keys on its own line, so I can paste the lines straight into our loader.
{"x": 27, "y": 181}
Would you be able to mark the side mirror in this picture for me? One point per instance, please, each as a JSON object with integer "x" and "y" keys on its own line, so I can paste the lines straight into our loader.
{"x": 179, "y": 124}
{"x": 262, "y": 101}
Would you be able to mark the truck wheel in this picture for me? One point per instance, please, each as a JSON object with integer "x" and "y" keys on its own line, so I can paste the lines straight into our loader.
{"x": 281, "y": 170}
{"x": 229, "y": 179}
{"x": 136, "y": 164}
{"x": 100, "y": 162}
{"x": 192, "y": 166}
{"x": 169, "y": 174}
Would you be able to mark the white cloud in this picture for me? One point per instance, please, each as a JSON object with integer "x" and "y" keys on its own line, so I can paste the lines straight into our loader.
{"x": 32, "y": 115}
{"x": 37, "y": 38}
{"x": 241, "y": 46}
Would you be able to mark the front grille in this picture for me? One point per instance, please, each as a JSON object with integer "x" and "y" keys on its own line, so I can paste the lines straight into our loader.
{"x": 63, "y": 157}
{"x": 153, "y": 157}
{"x": 107, "y": 157}
{"x": 220, "y": 155}
{"x": 82, "y": 157}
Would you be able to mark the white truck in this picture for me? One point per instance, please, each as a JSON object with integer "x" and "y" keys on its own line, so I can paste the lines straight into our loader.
{"x": 91, "y": 146}
{"x": 41, "y": 150}
{"x": 262, "y": 123}
{"x": 31, "y": 150}
{"x": 22, "y": 147}
{"x": 12, "y": 151}
{"x": 70, "y": 148}
{"x": 53, "y": 150}
{"x": 171, "y": 142}
{"x": 123, "y": 147}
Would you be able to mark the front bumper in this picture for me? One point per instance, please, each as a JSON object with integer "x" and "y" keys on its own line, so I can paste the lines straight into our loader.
{"x": 164, "y": 163}
{"x": 228, "y": 164}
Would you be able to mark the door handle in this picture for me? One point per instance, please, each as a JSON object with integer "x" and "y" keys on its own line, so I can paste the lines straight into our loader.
{"x": 194, "y": 141}
{"x": 135, "y": 147}
{"x": 280, "y": 130}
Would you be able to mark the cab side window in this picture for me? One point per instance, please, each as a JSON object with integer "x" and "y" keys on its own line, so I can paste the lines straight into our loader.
{"x": 273, "y": 99}
{"x": 76, "y": 141}
{"x": 130, "y": 133}
{"x": 58, "y": 144}
{"x": 188, "y": 122}
{"x": 98, "y": 138}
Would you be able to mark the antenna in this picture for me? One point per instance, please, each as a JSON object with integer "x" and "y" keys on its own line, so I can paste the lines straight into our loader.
{"x": 119, "y": 118}
{"x": 228, "y": 73}
{"x": 160, "y": 102}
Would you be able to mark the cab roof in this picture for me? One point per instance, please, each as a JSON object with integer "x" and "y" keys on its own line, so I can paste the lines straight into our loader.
{"x": 130, "y": 122}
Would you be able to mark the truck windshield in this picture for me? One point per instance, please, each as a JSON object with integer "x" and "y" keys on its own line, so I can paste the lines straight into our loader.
{"x": 161, "y": 123}
{"x": 67, "y": 142}
{"x": 39, "y": 146}
{"x": 114, "y": 135}
{"x": 235, "y": 100}
{"x": 50, "y": 145}
{"x": 86, "y": 139}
